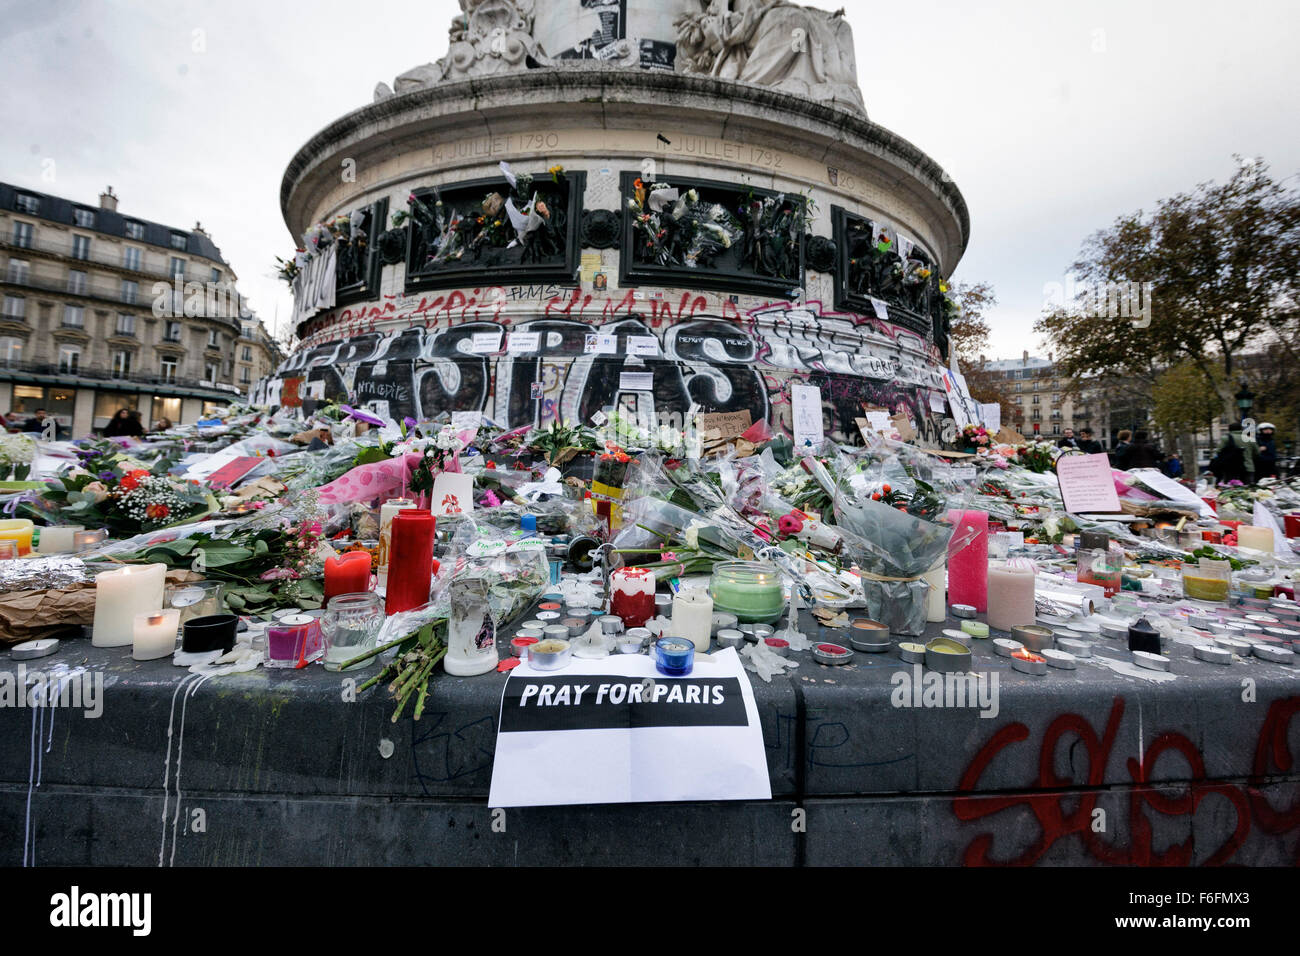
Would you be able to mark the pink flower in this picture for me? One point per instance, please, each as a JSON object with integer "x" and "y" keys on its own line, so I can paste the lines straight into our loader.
{"x": 279, "y": 574}
{"x": 790, "y": 524}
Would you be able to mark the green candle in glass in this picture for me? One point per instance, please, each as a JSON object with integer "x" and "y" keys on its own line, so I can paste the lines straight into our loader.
{"x": 751, "y": 590}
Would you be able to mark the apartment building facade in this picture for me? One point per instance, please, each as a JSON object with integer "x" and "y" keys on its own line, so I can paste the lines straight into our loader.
{"x": 103, "y": 311}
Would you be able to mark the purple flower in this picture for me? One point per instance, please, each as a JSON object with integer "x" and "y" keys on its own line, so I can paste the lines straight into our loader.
{"x": 361, "y": 416}
{"x": 408, "y": 421}
{"x": 106, "y": 476}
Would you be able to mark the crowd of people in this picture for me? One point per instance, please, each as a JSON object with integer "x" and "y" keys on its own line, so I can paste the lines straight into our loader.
{"x": 125, "y": 423}
{"x": 1237, "y": 458}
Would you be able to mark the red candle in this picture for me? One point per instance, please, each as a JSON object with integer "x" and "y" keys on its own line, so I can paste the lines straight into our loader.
{"x": 410, "y": 569}
{"x": 968, "y": 568}
{"x": 347, "y": 574}
{"x": 1292, "y": 523}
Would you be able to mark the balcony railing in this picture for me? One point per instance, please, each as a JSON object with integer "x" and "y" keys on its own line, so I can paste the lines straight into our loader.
{"x": 113, "y": 293}
{"x": 108, "y": 374}
{"x": 100, "y": 254}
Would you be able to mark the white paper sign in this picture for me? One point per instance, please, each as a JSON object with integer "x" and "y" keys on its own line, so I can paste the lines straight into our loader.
{"x": 1086, "y": 483}
{"x": 485, "y": 343}
{"x": 937, "y": 402}
{"x": 636, "y": 382}
{"x": 806, "y": 415}
{"x": 617, "y": 731}
{"x": 879, "y": 421}
{"x": 520, "y": 342}
{"x": 882, "y": 310}
{"x": 643, "y": 345}
{"x": 453, "y": 494}
{"x": 1162, "y": 484}
{"x": 600, "y": 343}
{"x": 991, "y": 413}
{"x": 965, "y": 411}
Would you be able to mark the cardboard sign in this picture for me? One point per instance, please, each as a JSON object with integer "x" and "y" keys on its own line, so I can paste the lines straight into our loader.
{"x": 721, "y": 428}
{"x": 1086, "y": 483}
{"x": 903, "y": 425}
{"x": 617, "y": 731}
{"x": 453, "y": 494}
{"x": 1008, "y": 436}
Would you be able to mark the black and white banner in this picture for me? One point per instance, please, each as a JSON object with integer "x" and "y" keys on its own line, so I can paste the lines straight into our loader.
{"x": 618, "y": 731}
{"x": 314, "y": 285}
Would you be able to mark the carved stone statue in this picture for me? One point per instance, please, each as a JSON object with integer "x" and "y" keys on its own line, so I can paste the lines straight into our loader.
{"x": 773, "y": 43}
{"x": 490, "y": 36}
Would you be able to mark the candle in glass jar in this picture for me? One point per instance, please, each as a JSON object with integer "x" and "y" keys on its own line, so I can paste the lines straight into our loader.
{"x": 58, "y": 539}
{"x": 348, "y": 573}
{"x": 386, "y": 515}
{"x": 154, "y": 635}
{"x": 693, "y": 617}
{"x": 968, "y": 567}
{"x": 1011, "y": 593}
{"x": 85, "y": 540}
{"x": 410, "y": 569}
{"x": 751, "y": 590}
{"x": 1249, "y": 536}
{"x": 19, "y": 530}
{"x": 632, "y": 595}
{"x": 122, "y": 594}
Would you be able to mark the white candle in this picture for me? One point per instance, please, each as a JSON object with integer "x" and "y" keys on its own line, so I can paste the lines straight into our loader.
{"x": 386, "y": 513}
{"x": 122, "y": 594}
{"x": 1258, "y": 539}
{"x": 693, "y": 618}
{"x": 936, "y": 599}
{"x": 155, "y": 634}
{"x": 59, "y": 539}
{"x": 1011, "y": 593}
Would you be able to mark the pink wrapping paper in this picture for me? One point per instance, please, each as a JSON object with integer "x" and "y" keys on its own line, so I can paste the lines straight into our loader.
{"x": 373, "y": 483}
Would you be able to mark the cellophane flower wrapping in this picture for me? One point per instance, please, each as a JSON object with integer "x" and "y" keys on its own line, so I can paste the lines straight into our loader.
{"x": 894, "y": 544}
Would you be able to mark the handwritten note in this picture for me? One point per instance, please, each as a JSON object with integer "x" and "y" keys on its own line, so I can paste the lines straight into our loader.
{"x": 806, "y": 414}
{"x": 1086, "y": 483}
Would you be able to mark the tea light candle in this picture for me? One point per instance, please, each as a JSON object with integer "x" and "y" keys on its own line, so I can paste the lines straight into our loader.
{"x": 730, "y": 637}
{"x": 19, "y": 530}
{"x": 723, "y": 621}
{"x": 1034, "y": 636}
{"x": 1278, "y": 655}
{"x": 122, "y": 594}
{"x": 1062, "y": 660}
{"x": 1005, "y": 647}
{"x": 963, "y": 611}
{"x": 693, "y": 617}
{"x": 85, "y": 540}
{"x": 520, "y": 644}
{"x": 1011, "y": 594}
{"x": 674, "y": 656}
{"x": 831, "y": 653}
{"x": 1030, "y": 663}
{"x": 154, "y": 634}
{"x": 975, "y": 628}
{"x": 968, "y": 567}
{"x": 1255, "y": 538}
{"x": 911, "y": 652}
{"x": 287, "y": 641}
{"x": 778, "y": 645}
{"x": 1072, "y": 645}
{"x": 58, "y": 538}
{"x": 1212, "y": 655}
{"x": 632, "y": 595}
{"x": 1151, "y": 661}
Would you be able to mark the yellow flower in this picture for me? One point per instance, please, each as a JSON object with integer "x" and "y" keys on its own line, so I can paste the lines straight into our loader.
{"x": 556, "y": 169}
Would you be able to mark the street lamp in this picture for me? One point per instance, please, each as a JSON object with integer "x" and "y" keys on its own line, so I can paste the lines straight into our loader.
{"x": 1245, "y": 399}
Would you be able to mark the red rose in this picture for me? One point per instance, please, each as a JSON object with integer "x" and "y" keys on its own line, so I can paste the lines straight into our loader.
{"x": 157, "y": 512}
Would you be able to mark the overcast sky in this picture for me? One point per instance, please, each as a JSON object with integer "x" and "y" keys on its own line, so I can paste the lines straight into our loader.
{"x": 1052, "y": 117}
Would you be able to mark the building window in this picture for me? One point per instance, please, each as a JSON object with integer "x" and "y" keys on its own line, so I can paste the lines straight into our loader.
{"x": 245, "y": 375}
{"x": 23, "y": 235}
{"x": 125, "y": 324}
{"x": 216, "y": 275}
{"x": 81, "y": 247}
{"x": 248, "y": 353}
{"x": 210, "y": 371}
{"x": 74, "y": 316}
{"x": 11, "y": 351}
{"x": 1035, "y": 399}
{"x": 15, "y": 307}
{"x": 178, "y": 267}
{"x": 131, "y": 257}
{"x": 214, "y": 339}
{"x": 69, "y": 359}
{"x": 130, "y": 290}
{"x": 85, "y": 218}
{"x": 134, "y": 230}
{"x": 121, "y": 363}
{"x": 29, "y": 204}
{"x": 167, "y": 367}
{"x": 180, "y": 240}
{"x": 18, "y": 271}
{"x": 172, "y": 333}
{"x": 77, "y": 282}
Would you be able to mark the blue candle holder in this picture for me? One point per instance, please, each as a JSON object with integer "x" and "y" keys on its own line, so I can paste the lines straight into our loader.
{"x": 674, "y": 656}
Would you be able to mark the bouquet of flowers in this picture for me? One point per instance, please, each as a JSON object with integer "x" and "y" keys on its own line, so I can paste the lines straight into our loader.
{"x": 1037, "y": 455}
{"x": 17, "y": 452}
{"x": 975, "y": 437}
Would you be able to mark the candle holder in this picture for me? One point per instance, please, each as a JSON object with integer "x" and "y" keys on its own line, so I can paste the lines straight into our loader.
{"x": 87, "y": 540}
{"x": 674, "y": 656}
{"x": 1034, "y": 636}
{"x": 870, "y": 637}
{"x": 199, "y": 599}
{"x": 946, "y": 655}
{"x": 751, "y": 590}
{"x": 1027, "y": 662}
{"x": 549, "y": 655}
{"x": 1061, "y": 660}
{"x": 1271, "y": 652}
{"x": 349, "y": 627}
{"x": 832, "y": 654}
{"x": 1212, "y": 655}
{"x": 1005, "y": 646}
{"x": 292, "y": 642}
{"x": 730, "y": 637}
{"x": 211, "y": 633}
{"x": 1075, "y": 646}
{"x": 911, "y": 652}
{"x": 632, "y": 595}
{"x": 520, "y": 643}
{"x": 1151, "y": 661}
{"x": 8, "y": 549}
